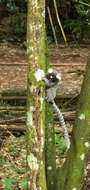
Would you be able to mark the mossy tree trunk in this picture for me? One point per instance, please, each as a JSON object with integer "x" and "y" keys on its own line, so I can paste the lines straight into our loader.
{"x": 36, "y": 95}
{"x": 70, "y": 176}
{"x": 50, "y": 150}
{"x": 40, "y": 129}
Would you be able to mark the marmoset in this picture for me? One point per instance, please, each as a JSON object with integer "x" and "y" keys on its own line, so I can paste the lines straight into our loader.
{"x": 52, "y": 81}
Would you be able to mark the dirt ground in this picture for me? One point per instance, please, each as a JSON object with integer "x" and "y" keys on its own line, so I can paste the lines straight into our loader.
{"x": 69, "y": 61}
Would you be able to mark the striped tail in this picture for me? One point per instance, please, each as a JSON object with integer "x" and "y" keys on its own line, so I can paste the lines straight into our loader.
{"x": 62, "y": 122}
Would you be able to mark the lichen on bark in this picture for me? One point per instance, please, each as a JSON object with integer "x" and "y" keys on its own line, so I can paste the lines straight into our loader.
{"x": 50, "y": 149}
{"x": 71, "y": 175}
{"x": 36, "y": 69}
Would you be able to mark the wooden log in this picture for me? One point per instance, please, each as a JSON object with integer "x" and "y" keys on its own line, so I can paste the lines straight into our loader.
{"x": 13, "y": 64}
{"x": 15, "y": 120}
{"x": 13, "y": 127}
{"x": 12, "y": 112}
{"x": 22, "y": 127}
{"x": 12, "y": 97}
{"x": 60, "y": 130}
{"x": 69, "y": 116}
{"x": 12, "y": 108}
{"x": 18, "y": 124}
{"x": 60, "y": 95}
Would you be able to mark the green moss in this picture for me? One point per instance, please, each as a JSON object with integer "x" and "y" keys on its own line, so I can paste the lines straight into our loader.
{"x": 50, "y": 148}
{"x": 72, "y": 174}
{"x": 36, "y": 90}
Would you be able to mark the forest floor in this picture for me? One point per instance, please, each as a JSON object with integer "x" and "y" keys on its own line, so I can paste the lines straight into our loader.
{"x": 71, "y": 62}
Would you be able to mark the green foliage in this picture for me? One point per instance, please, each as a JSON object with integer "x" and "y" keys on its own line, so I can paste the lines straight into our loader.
{"x": 17, "y": 13}
{"x": 2, "y": 160}
{"x": 49, "y": 39}
{"x": 74, "y": 16}
{"x": 2, "y": 103}
{"x": 78, "y": 23}
{"x": 17, "y": 170}
{"x": 20, "y": 170}
{"x": 9, "y": 182}
{"x": 24, "y": 183}
{"x": 11, "y": 168}
{"x": 18, "y": 24}
{"x": 12, "y": 6}
{"x": 61, "y": 149}
{"x": 13, "y": 150}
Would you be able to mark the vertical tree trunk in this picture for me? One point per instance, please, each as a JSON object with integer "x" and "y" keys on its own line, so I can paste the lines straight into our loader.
{"x": 36, "y": 95}
{"x": 70, "y": 177}
{"x": 50, "y": 150}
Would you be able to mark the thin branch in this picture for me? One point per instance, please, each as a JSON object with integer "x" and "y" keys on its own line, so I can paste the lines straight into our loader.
{"x": 59, "y": 22}
{"x": 52, "y": 26}
{"x": 84, "y": 3}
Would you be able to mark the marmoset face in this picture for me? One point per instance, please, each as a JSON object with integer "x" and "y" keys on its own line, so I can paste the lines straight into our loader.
{"x": 52, "y": 80}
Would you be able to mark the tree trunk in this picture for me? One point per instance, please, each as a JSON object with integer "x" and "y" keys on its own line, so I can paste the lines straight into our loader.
{"x": 50, "y": 150}
{"x": 36, "y": 96}
{"x": 70, "y": 176}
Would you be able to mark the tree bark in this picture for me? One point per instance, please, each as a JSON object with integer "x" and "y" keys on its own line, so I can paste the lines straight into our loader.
{"x": 36, "y": 96}
{"x": 50, "y": 149}
{"x": 70, "y": 177}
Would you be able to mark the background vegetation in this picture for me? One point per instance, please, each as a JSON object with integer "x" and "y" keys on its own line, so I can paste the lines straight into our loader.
{"x": 75, "y": 19}
{"x": 74, "y": 16}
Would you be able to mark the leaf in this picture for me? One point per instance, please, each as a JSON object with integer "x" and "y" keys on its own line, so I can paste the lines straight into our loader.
{"x": 8, "y": 183}
{"x": 20, "y": 170}
{"x": 9, "y": 167}
{"x": 24, "y": 183}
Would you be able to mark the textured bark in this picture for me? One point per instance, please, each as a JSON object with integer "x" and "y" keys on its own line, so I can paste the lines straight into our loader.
{"x": 36, "y": 96}
{"x": 50, "y": 151}
{"x": 70, "y": 177}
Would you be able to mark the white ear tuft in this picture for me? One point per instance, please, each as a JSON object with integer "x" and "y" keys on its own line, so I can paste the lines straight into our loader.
{"x": 50, "y": 70}
{"x": 58, "y": 76}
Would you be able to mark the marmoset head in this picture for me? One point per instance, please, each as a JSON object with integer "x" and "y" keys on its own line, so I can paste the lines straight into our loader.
{"x": 52, "y": 78}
